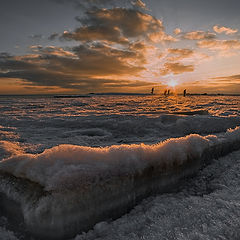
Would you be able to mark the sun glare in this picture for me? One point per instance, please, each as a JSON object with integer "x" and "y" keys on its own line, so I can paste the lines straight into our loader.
{"x": 172, "y": 83}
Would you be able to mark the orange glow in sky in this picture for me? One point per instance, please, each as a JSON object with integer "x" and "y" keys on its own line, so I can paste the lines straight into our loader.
{"x": 133, "y": 50}
{"x": 172, "y": 83}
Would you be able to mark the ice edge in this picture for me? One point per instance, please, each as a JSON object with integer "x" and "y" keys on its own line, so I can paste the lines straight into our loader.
{"x": 60, "y": 214}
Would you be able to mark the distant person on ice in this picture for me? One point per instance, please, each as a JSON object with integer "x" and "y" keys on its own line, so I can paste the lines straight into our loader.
{"x": 152, "y": 90}
{"x": 184, "y": 92}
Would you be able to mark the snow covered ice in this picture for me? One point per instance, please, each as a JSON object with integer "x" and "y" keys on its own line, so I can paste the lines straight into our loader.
{"x": 207, "y": 207}
{"x": 67, "y": 147}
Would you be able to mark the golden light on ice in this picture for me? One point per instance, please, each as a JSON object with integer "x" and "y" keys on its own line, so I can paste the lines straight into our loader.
{"x": 172, "y": 83}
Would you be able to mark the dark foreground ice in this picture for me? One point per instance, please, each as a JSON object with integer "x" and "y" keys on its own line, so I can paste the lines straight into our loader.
{"x": 207, "y": 207}
{"x": 204, "y": 206}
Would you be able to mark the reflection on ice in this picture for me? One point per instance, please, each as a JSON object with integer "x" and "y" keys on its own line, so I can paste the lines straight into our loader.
{"x": 42, "y": 122}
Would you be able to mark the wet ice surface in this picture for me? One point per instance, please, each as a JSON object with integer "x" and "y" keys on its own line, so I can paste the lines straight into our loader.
{"x": 207, "y": 206}
{"x": 38, "y": 123}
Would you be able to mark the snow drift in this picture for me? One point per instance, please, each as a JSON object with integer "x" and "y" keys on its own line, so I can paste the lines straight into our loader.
{"x": 67, "y": 189}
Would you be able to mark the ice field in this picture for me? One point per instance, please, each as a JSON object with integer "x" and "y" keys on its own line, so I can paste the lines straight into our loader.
{"x": 54, "y": 151}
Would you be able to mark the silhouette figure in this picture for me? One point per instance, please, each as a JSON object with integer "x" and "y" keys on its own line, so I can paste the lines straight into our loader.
{"x": 168, "y": 92}
{"x": 165, "y": 93}
{"x": 184, "y": 92}
{"x": 152, "y": 91}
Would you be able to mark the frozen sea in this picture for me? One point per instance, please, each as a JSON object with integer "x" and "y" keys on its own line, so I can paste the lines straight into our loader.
{"x": 207, "y": 206}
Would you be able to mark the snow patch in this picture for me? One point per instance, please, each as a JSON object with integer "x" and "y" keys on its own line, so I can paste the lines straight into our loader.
{"x": 69, "y": 166}
{"x": 8, "y": 149}
{"x": 67, "y": 189}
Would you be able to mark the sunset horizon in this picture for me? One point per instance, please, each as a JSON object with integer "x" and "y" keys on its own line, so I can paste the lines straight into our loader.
{"x": 112, "y": 46}
{"x": 120, "y": 120}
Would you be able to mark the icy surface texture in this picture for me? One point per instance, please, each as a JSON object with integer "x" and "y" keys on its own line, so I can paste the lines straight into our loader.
{"x": 38, "y": 123}
{"x": 76, "y": 177}
{"x": 32, "y": 128}
{"x": 77, "y": 167}
{"x": 4, "y": 233}
{"x": 206, "y": 208}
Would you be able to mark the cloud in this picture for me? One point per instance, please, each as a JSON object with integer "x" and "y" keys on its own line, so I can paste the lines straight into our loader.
{"x": 53, "y": 36}
{"x": 177, "y": 31}
{"x": 198, "y": 35}
{"x": 138, "y": 46}
{"x": 228, "y": 84}
{"x": 36, "y": 37}
{"x": 219, "y": 44}
{"x": 82, "y": 67}
{"x": 189, "y": 55}
{"x": 176, "y": 68}
{"x": 9, "y": 63}
{"x": 118, "y": 25}
{"x": 110, "y": 46}
{"x": 229, "y": 79}
{"x": 86, "y": 4}
{"x": 161, "y": 36}
{"x": 96, "y": 33}
{"x": 103, "y": 59}
{"x": 179, "y": 53}
{"x": 51, "y": 50}
{"x": 140, "y": 4}
{"x": 226, "y": 30}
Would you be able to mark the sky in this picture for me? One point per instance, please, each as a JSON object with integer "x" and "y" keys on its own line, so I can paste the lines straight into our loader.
{"x": 82, "y": 46}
